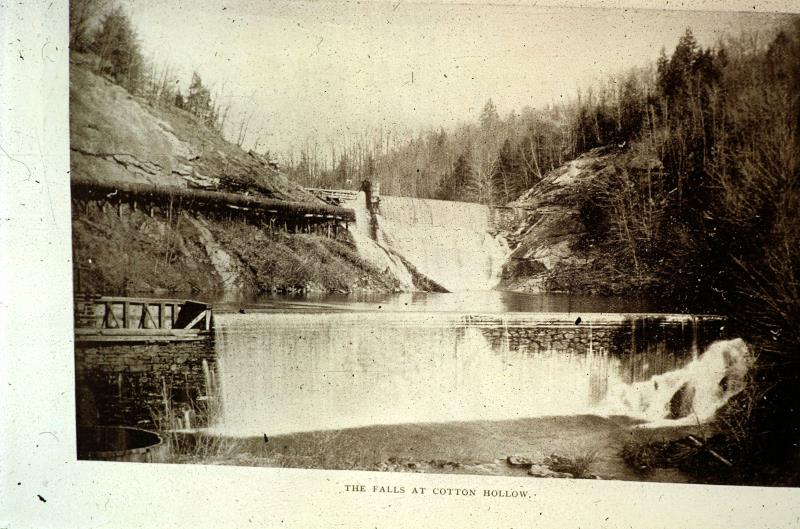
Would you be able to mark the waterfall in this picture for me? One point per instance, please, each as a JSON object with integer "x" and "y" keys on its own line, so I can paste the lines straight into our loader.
{"x": 447, "y": 242}
{"x": 689, "y": 395}
{"x": 376, "y": 251}
{"x": 289, "y": 372}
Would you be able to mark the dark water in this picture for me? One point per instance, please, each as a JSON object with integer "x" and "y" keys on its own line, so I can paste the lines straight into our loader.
{"x": 462, "y": 302}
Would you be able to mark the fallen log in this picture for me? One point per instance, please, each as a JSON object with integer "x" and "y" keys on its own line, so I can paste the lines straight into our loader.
{"x": 702, "y": 445}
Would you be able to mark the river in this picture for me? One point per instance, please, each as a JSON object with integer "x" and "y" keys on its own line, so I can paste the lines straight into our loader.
{"x": 470, "y": 376}
{"x": 507, "y": 372}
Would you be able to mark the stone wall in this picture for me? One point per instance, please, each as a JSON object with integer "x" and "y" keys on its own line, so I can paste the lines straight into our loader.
{"x": 126, "y": 384}
{"x": 645, "y": 346}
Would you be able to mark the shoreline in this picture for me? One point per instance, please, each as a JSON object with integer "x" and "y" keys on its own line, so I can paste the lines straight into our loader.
{"x": 551, "y": 445}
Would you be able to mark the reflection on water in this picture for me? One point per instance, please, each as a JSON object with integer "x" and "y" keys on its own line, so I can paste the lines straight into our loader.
{"x": 300, "y": 371}
{"x": 281, "y": 373}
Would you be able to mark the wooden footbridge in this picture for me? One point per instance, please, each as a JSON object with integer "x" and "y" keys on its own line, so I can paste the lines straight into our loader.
{"x": 333, "y": 196}
{"x": 338, "y": 197}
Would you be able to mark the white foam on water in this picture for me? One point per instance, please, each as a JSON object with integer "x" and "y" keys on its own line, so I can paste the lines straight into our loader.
{"x": 449, "y": 242}
{"x": 369, "y": 249}
{"x": 689, "y": 395}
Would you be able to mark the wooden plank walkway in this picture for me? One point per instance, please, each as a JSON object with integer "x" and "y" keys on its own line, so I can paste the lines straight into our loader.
{"x": 337, "y": 197}
{"x": 333, "y": 196}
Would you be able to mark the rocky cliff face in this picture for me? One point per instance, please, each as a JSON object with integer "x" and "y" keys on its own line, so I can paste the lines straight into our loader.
{"x": 557, "y": 238}
{"x": 115, "y": 136}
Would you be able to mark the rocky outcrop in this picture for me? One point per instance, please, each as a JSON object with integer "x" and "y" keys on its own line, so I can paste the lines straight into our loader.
{"x": 116, "y": 136}
{"x": 555, "y": 466}
{"x": 555, "y": 234}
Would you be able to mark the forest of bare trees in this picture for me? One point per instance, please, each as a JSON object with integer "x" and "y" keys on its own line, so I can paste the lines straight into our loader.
{"x": 492, "y": 160}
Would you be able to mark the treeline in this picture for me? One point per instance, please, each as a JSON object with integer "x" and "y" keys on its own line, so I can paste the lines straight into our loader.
{"x": 492, "y": 160}
{"x": 719, "y": 226}
{"x": 103, "y": 31}
{"x": 720, "y": 219}
{"x": 716, "y": 225}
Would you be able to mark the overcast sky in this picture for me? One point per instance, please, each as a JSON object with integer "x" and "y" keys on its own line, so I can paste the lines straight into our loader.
{"x": 323, "y": 68}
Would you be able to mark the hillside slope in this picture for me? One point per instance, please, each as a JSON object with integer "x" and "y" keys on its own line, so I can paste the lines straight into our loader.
{"x": 563, "y": 244}
{"x": 116, "y": 137}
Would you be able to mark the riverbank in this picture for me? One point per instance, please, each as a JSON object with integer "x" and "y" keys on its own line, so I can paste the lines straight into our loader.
{"x": 121, "y": 138}
{"x": 582, "y": 447}
{"x": 565, "y": 244}
{"x": 586, "y": 444}
{"x": 188, "y": 253}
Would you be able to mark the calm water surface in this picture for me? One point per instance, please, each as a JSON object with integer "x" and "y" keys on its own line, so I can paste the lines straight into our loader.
{"x": 461, "y": 302}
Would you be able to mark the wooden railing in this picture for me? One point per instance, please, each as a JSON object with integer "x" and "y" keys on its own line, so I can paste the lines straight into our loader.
{"x": 333, "y": 196}
{"x": 108, "y": 318}
{"x": 337, "y": 197}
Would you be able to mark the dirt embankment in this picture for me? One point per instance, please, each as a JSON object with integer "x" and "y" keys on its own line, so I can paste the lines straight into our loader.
{"x": 563, "y": 244}
{"x": 191, "y": 254}
{"x": 118, "y": 137}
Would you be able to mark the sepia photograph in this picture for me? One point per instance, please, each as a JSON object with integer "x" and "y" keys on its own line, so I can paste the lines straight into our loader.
{"x": 486, "y": 239}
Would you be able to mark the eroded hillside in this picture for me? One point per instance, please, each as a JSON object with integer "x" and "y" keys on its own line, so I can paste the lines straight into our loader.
{"x": 118, "y": 137}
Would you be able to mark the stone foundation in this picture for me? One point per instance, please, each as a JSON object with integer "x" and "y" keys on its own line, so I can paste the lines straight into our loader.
{"x": 141, "y": 384}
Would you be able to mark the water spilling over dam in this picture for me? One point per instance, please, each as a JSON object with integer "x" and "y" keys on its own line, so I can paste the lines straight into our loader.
{"x": 448, "y": 242}
{"x": 376, "y": 250}
{"x": 281, "y": 373}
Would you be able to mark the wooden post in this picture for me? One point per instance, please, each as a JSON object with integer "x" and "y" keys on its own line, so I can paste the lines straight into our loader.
{"x": 125, "y": 314}
{"x": 162, "y": 307}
